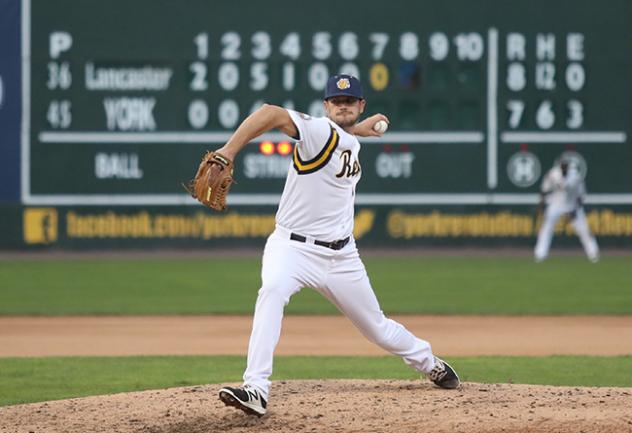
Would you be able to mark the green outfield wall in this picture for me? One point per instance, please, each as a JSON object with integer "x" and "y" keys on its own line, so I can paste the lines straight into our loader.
{"x": 106, "y": 108}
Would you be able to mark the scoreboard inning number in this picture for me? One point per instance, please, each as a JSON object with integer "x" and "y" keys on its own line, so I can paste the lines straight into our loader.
{"x": 316, "y": 59}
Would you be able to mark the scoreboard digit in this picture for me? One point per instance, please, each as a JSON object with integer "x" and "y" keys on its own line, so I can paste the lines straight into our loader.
{"x": 123, "y": 97}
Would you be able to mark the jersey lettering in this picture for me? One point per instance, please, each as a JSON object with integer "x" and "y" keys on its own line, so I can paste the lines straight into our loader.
{"x": 348, "y": 169}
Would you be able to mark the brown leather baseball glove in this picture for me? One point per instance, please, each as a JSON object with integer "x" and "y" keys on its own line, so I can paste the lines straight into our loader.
{"x": 212, "y": 181}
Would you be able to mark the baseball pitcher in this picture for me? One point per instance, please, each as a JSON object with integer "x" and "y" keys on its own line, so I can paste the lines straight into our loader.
{"x": 312, "y": 244}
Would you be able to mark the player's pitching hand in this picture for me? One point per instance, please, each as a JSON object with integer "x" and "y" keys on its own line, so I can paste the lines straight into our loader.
{"x": 366, "y": 128}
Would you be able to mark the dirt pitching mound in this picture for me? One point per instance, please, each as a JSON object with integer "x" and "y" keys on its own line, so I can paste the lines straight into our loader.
{"x": 338, "y": 406}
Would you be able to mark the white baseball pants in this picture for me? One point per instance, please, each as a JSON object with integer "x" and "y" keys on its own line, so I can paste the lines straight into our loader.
{"x": 340, "y": 276}
{"x": 580, "y": 225}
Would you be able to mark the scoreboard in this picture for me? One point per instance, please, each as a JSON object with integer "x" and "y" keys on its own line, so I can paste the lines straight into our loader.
{"x": 121, "y": 98}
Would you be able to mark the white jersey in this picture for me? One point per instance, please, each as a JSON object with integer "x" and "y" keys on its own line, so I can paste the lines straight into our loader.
{"x": 319, "y": 193}
{"x": 563, "y": 191}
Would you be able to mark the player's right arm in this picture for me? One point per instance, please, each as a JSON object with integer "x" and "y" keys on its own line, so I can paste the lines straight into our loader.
{"x": 545, "y": 189}
{"x": 365, "y": 128}
{"x": 541, "y": 204}
{"x": 264, "y": 119}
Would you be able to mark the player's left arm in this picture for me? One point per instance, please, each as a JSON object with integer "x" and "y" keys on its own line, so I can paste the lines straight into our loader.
{"x": 365, "y": 128}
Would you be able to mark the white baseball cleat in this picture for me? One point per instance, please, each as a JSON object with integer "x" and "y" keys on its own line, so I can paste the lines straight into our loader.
{"x": 246, "y": 398}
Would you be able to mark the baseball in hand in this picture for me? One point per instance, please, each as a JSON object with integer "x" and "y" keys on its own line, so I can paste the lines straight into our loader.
{"x": 380, "y": 126}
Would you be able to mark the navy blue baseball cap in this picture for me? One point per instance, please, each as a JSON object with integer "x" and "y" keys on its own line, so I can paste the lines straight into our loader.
{"x": 343, "y": 85}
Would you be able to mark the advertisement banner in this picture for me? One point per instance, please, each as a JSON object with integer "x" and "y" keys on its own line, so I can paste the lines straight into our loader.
{"x": 197, "y": 228}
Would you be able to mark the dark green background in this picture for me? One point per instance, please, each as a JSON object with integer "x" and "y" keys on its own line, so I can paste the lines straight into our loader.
{"x": 448, "y": 95}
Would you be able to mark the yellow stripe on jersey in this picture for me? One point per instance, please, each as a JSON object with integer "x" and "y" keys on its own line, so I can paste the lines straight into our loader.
{"x": 320, "y": 160}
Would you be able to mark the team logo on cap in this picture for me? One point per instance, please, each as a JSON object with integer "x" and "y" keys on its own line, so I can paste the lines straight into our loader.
{"x": 343, "y": 83}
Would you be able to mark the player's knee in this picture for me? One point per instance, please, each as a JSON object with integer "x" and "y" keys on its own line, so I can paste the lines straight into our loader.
{"x": 278, "y": 289}
{"x": 380, "y": 340}
{"x": 377, "y": 332}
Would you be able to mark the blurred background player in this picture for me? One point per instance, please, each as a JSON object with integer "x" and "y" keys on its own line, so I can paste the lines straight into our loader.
{"x": 562, "y": 192}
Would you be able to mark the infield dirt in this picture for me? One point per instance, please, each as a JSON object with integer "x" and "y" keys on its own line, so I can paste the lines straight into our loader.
{"x": 312, "y": 335}
{"x": 336, "y": 406}
{"x": 327, "y": 406}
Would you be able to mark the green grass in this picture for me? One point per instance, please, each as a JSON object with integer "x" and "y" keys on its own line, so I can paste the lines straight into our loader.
{"x": 25, "y": 380}
{"x": 408, "y": 285}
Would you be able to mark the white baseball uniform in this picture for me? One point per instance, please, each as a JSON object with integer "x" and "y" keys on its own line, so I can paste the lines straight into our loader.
{"x": 317, "y": 208}
{"x": 563, "y": 196}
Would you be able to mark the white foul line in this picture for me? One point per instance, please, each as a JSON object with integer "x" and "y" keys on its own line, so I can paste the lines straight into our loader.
{"x": 222, "y": 137}
{"x": 492, "y": 109}
{"x": 564, "y": 137}
{"x": 428, "y": 137}
{"x": 273, "y": 199}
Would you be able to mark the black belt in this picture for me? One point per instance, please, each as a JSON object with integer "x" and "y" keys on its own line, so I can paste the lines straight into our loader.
{"x": 334, "y": 245}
